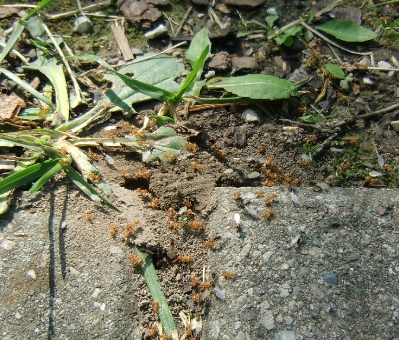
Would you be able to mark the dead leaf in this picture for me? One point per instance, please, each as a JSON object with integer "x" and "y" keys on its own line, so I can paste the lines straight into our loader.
{"x": 10, "y": 105}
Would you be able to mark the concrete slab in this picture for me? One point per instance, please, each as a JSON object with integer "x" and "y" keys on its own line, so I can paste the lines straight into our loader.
{"x": 325, "y": 268}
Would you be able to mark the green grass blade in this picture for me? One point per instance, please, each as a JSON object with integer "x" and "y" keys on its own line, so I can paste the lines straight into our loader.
{"x": 16, "y": 33}
{"x": 27, "y": 175}
{"x": 77, "y": 179}
{"x": 157, "y": 294}
{"x": 193, "y": 74}
{"x": 46, "y": 177}
{"x": 28, "y": 88}
{"x": 42, "y": 4}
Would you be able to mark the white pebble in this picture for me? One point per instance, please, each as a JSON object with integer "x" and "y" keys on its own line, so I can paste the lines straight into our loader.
{"x": 31, "y": 273}
{"x": 82, "y": 24}
{"x": 395, "y": 125}
{"x": 384, "y": 64}
{"x": 156, "y": 32}
{"x": 368, "y": 81}
{"x": 250, "y": 116}
{"x": 109, "y": 160}
{"x": 96, "y": 293}
{"x": 7, "y": 244}
{"x": 219, "y": 293}
{"x": 109, "y": 128}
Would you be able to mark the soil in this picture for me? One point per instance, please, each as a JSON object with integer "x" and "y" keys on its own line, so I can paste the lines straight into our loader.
{"x": 171, "y": 200}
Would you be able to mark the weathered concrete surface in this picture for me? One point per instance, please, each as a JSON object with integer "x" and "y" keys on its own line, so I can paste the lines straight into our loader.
{"x": 340, "y": 282}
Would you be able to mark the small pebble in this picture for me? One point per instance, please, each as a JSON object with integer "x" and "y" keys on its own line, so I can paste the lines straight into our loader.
{"x": 284, "y": 293}
{"x": 330, "y": 278}
{"x": 31, "y": 273}
{"x": 285, "y": 335}
{"x": 82, "y": 24}
{"x": 115, "y": 250}
{"x": 7, "y": 244}
{"x": 220, "y": 293}
{"x": 250, "y": 116}
{"x": 96, "y": 293}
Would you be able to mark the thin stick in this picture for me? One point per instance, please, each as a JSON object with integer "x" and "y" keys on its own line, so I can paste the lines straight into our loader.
{"x": 332, "y": 42}
{"x": 335, "y": 53}
{"x": 19, "y": 55}
{"x": 286, "y": 27}
{"x": 367, "y": 115}
{"x": 71, "y": 74}
{"x": 183, "y": 20}
{"x": 67, "y": 14}
{"x": 327, "y": 8}
{"x": 154, "y": 55}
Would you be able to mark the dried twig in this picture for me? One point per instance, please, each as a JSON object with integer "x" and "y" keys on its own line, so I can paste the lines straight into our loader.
{"x": 70, "y": 13}
{"x": 68, "y": 68}
{"x": 183, "y": 20}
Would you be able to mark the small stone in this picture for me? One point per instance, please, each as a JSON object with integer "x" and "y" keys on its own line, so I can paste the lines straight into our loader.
{"x": 18, "y": 316}
{"x": 82, "y": 24}
{"x": 316, "y": 292}
{"x": 330, "y": 278}
{"x": 250, "y": 116}
{"x": 115, "y": 250}
{"x": 284, "y": 293}
{"x": 8, "y": 245}
{"x": 267, "y": 255}
{"x": 220, "y": 293}
{"x": 240, "y": 336}
{"x": 288, "y": 320}
{"x": 235, "y": 136}
{"x": 100, "y": 306}
{"x": 384, "y": 64}
{"x": 244, "y": 63}
{"x": 253, "y": 175}
{"x": 285, "y": 335}
{"x": 267, "y": 320}
{"x": 73, "y": 271}
{"x": 157, "y": 32}
{"x": 214, "y": 329}
{"x": 96, "y": 293}
{"x": 31, "y": 273}
{"x": 220, "y": 61}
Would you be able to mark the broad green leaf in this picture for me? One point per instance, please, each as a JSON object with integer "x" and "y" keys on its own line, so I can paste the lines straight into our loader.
{"x": 55, "y": 73}
{"x": 27, "y": 175}
{"x": 257, "y": 86}
{"x": 46, "y": 177}
{"x": 286, "y": 37}
{"x": 147, "y": 89}
{"x": 150, "y": 275}
{"x": 347, "y": 30}
{"x": 77, "y": 179}
{"x": 27, "y": 87}
{"x": 159, "y": 72}
{"x": 35, "y": 26}
{"x": 335, "y": 70}
{"x": 197, "y": 46}
{"x": 270, "y": 20}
